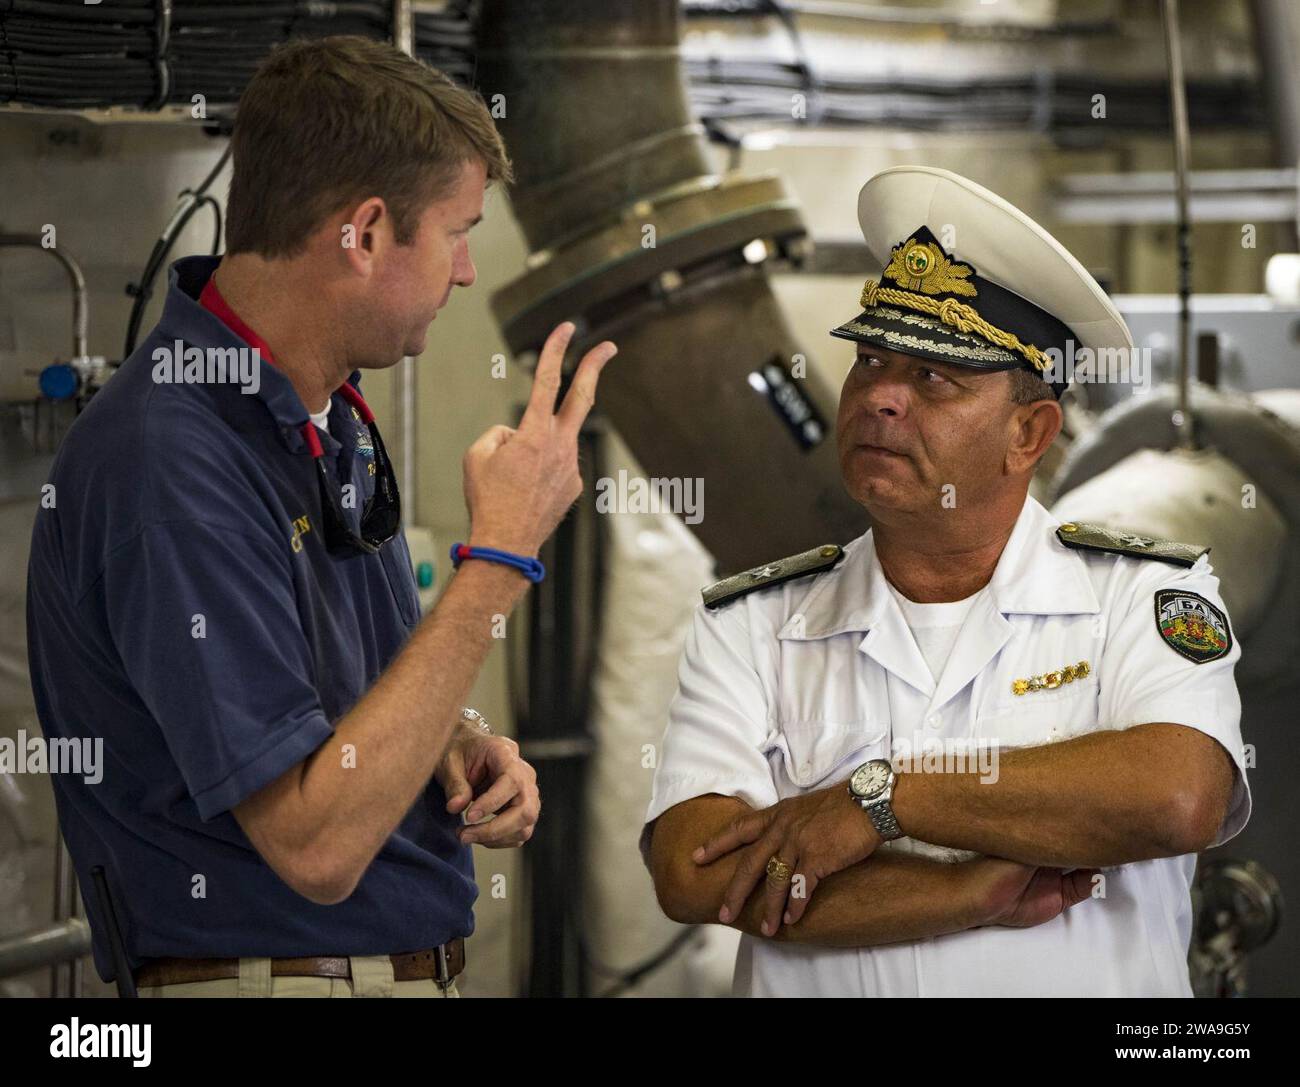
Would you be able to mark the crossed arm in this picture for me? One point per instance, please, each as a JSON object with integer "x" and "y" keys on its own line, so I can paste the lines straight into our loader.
{"x": 1107, "y": 798}
{"x": 894, "y": 898}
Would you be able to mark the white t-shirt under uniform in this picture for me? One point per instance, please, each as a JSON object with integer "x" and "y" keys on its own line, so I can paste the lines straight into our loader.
{"x": 934, "y": 626}
{"x": 322, "y": 418}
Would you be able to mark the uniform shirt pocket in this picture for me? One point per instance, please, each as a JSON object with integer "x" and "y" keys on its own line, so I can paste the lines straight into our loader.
{"x": 820, "y": 753}
{"x": 1041, "y": 717}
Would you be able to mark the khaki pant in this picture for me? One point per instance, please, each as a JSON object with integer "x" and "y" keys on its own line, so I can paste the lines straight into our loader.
{"x": 372, "y": 975}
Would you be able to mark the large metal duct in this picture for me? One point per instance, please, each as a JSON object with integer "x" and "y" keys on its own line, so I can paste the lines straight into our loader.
{"x": 635, "y": 239}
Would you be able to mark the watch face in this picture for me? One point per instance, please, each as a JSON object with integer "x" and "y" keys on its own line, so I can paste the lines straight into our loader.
{"x": 870, "y": 778}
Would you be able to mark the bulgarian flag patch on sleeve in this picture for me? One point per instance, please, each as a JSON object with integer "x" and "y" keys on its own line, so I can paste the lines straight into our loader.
{"x": 1191, "y": 626}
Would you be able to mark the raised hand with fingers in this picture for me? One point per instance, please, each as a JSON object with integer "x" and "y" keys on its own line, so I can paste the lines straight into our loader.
{"x": 520, "y": 482}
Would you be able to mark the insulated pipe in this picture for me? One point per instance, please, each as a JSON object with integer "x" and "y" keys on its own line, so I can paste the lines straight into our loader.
{"x": 1194, "y": 495}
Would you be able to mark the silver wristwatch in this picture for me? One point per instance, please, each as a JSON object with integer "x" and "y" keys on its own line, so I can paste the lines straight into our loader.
{"x": 872, "y": 786}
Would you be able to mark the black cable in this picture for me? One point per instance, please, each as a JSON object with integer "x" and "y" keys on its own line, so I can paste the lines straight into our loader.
{"x": 78, "y": 56}
{"x": 723, "y": 93}
{"x": 627, "y": 977}
{"x": 192, "y": 200}
{"x": 206, "y": 183}
{"x": 130, "y": 54}
{"x": 217, "y": 224}
{"x": 113, "y": 933}
{"x": 632, "y": 977}
{"x": 810, "y": 86}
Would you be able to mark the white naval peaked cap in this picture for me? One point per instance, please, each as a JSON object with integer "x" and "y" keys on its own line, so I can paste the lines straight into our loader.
{"x": 1012, "y": 291}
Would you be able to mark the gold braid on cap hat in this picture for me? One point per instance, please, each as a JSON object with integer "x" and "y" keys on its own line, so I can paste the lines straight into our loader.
{"x": 948, "y": 276}
{"x": 960, "y": 316}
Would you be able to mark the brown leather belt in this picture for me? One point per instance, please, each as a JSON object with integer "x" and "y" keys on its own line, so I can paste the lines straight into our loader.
{"x": 440, "y": 964}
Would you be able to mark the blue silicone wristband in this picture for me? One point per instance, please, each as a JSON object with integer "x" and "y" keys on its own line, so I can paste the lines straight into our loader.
{"x": 532, "y": 569}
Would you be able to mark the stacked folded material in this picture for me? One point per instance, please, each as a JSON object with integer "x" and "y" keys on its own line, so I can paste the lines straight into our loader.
{"x": 727, "y": 89}
{"x": 147, "y": 53}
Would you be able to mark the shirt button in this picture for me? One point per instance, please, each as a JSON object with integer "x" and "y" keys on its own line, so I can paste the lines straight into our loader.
{"x": 934, "y": 720}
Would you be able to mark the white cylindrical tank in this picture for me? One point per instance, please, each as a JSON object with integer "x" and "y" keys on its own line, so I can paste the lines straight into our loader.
{"x": 1197, "y": 497}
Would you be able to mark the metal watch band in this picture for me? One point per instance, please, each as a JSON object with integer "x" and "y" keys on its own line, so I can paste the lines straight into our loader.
{"x": 881, "y": 813}
{"x": 475, "y": 720}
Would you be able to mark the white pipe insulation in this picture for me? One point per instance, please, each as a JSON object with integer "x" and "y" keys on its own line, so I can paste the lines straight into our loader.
{"x": 1194, "y": 496}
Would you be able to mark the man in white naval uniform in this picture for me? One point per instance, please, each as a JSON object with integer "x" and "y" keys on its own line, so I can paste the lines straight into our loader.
{"x": 1095, "y": 665}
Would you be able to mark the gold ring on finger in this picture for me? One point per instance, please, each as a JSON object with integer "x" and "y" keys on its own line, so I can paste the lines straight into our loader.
{"x": 778, "y": 872}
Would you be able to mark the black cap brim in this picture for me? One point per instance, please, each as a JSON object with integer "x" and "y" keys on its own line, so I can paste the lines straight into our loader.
{"x": 928, "y": 337}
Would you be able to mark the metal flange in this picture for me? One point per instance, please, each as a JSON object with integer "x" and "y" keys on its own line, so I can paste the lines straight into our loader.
{"x": 664, "y": 233}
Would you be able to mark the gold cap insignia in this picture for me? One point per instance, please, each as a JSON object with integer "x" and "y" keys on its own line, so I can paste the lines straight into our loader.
{"x": 921, "y": 266}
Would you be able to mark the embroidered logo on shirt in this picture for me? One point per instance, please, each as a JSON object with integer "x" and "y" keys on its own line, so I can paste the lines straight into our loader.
{"x": 1049, "y": 681}
{"x": 301, "y": 525}
{"x": 1191, "y": 626}
{"x": 364, "y": 445}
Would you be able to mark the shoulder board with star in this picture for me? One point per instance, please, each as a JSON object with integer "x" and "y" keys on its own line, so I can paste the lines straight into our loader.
{"x": 1090, "y": 537}
{"x": 773, "y": 573}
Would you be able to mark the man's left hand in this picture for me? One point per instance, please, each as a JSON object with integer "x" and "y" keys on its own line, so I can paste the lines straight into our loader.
{"x": 815, "y": 835}
{"x": 485, "y": 774}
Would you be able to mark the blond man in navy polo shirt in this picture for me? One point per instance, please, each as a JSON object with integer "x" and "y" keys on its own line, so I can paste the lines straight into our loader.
{"x": 221, "y": 592}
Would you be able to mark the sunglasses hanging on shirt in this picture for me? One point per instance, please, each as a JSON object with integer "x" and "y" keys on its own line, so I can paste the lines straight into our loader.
{"x": 381, "y": 515}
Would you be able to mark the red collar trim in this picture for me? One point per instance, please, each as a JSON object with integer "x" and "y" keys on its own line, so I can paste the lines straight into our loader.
{"x": 211, "y": 300}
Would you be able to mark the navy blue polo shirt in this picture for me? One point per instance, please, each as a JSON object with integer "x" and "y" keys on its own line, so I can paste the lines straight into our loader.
{"x": 182, "y": 607}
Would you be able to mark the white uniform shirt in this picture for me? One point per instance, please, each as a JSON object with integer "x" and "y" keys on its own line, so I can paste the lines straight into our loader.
{"x": 789, "y": 688}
